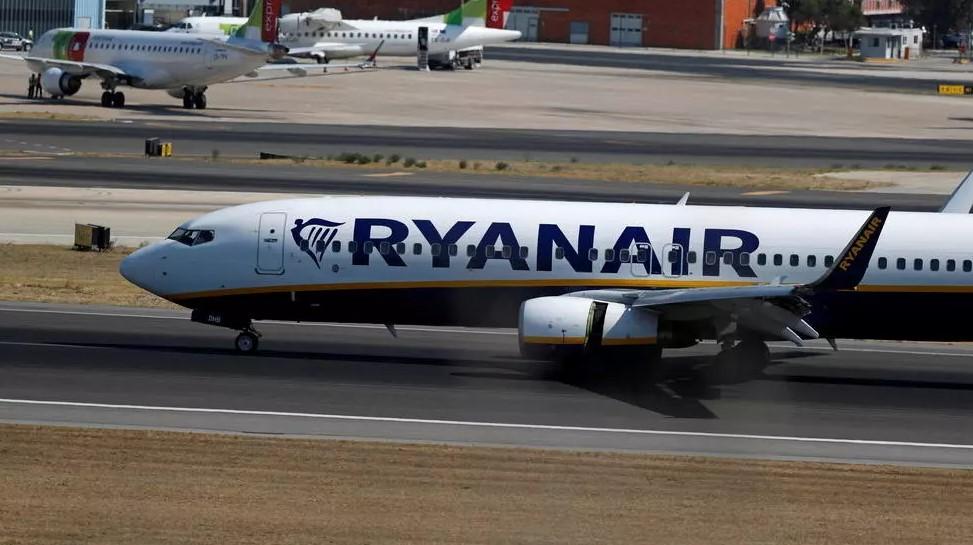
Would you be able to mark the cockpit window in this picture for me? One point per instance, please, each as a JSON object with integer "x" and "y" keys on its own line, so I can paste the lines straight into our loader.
{"x": 192, "y": 237}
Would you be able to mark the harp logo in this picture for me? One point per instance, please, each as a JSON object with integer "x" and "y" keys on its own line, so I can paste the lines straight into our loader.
{"x": 314, "y": 236}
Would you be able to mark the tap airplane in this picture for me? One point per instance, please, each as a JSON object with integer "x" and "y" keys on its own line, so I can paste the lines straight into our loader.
{"x": 183, "y": 66}
{"x": 586, "y": 278}
{"x": 455, "y": 39}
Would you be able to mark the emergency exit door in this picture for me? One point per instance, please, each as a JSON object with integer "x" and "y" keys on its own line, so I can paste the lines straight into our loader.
{"x": 270, "y": 244}
{"x": 626, "y": 30}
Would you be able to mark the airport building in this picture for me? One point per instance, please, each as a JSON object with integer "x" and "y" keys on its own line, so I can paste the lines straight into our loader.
{"x": 690, "y": 24}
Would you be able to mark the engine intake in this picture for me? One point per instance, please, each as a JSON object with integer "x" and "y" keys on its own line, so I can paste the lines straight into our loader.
{"x": 58, "y": 83}
{"x": 551, "y": 324}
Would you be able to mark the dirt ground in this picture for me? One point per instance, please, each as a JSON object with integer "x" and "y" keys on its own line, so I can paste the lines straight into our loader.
{"x": 61, "y": 485}
{"x": 58, "y": 274}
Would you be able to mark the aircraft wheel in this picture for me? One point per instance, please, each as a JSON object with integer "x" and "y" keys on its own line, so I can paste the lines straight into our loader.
{"x": 246, "y": 343}
{"x": 187, "y": 101}
{"x": 199, "y": 100}
{"x": 118, "y": 100}
{"x": 106, "y": 99}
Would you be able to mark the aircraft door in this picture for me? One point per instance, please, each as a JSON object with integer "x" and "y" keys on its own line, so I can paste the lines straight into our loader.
{"x": 641, "y": 259}
{"x": 270, "y": 244}
{"x": 673, "y": 260}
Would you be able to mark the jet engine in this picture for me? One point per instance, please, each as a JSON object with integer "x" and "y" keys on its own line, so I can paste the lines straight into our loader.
{"x": 552, "y": 327}
{"x": 177, "y": 92}
{"x": 58, "y": 83}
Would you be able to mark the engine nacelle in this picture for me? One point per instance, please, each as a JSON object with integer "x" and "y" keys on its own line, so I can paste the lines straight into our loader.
{"x": 176, "y": 93}
{"x": 58, "y": 83}
{"x": 552, "y": 325}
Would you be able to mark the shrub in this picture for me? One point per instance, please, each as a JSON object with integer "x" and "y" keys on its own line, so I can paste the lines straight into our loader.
{"x": 378, "y": 157}
{"x": 420, "y": 164}
{"x": 363, "y": 160}
{"x": 409, "y": 162}
{"x": 502, "y": 166}
{"x": 462, "y": 164}
{"x": 394, "y": 158}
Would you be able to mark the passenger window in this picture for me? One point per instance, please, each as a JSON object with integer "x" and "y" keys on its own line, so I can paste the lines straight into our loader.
{"x": 470, "y": 250}
{"x": 491, "y": 252}
{"x": 778, "y": 260}
{"x": 642, "y": 255}
{"x": 593, "y": 252}
{"x": 336, "y": 246}
{"x": 453, "y": 249}
{"x": 524, "y": 252}
{"x": 812, "y": 261}
{"x": 400, "y": 248}
{"x": 417, "y": 249}
{"x": 829, "y": 260}
{"x": 883, "y": 263}
{"x": 437, "y": 250}
{"x": 624, "y": 255}
{"x": 384, "y": 248}
{"x": 369, "y": 247}
{"x": 933, "y": 264}
{"x": 728, "y": 258}
{"x": 674, "y": 255}
{"x": 508, "y": 252}
{"x": 692, "y": 257}
{"x": 795, "y": 260}
{"x": 744, "y": 259}
{"x": 917, "y": 264}
{"x": 950, "y": 265}
{"x": 559, "y": 253}
{"x": 352, "y": 247}
{"x": 761, "y": 259}
{"x": 967, "y": 265}
{"x": 318, "y": 246}
{"x": 900, "y": 263}
{"x": 610, "y": 254}
{"x": 710, "y": 258}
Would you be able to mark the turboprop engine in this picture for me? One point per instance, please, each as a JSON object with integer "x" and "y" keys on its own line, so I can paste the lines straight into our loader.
{"x": 58, "y": 83}
{"x": 550, "y": 327}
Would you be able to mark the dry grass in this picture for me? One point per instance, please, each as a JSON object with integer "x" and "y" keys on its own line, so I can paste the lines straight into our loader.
{"x": 47, "y": 115}
{"x": 109, "y": 486}
{"x": 57, "y": 274}
{"x": 760, "y": 178}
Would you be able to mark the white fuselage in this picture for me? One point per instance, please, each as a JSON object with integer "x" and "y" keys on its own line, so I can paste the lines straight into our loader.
{"x": 352, "y": 38}
{"x": 150, "y": 60}
{"x": 375, "y": 249}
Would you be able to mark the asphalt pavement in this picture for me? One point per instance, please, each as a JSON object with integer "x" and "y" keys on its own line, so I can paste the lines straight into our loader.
{"x": 250, "y": 139}
{"x": 100, "y": 366}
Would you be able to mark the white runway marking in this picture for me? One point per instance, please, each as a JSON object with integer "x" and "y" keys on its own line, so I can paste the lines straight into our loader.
{"x": 499, "y": 425}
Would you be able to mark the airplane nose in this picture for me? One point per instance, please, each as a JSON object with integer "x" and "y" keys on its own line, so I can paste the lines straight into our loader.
{"x": 141, "y": 268}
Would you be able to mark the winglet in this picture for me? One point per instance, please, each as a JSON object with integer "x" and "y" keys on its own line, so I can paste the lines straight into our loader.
{"x": 961, "y": 201}
{"x": 852, "y": 263}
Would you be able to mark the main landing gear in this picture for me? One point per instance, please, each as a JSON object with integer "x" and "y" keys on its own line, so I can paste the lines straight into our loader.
{"x": 740, "y": 362}
{"x": 194, "y": 99}
{"x": 113, "y": 99}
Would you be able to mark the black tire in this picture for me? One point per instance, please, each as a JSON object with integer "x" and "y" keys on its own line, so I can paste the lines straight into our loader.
{"x": 187, "y": 101}
{"x": 199, "y": 100}
{"x": 246, "y": 343}
{"x": 106, "y": 99}
{"x": 118, "y": 100}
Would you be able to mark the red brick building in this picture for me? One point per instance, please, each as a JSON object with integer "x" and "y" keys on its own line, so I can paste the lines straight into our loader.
{"x": 691, "y": 24}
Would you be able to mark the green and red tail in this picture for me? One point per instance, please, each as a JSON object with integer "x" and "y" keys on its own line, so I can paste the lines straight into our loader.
{"x": 488, "y": 13}
{"x": 262, "y": 24}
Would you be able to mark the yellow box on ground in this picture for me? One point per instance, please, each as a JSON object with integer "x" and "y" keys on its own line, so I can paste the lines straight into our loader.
{"x": 945, "y": 89}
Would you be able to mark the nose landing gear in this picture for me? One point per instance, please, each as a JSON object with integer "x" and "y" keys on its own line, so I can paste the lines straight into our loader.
{"x": 247, "y": 341}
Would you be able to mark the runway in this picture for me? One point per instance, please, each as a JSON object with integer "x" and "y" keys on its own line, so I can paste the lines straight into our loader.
{"x": 249, "y": 139}
{"x": 890, "y": 403}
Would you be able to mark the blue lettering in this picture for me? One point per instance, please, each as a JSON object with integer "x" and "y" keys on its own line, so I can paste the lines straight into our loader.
{"x": 550, "y": 236}
{"x": 363, "y": 234}
{"x": 713, "y": 242}
{"x": 452, "y": 236}
{"x": 680, "y": 239}
{"x": 503, "y": 233}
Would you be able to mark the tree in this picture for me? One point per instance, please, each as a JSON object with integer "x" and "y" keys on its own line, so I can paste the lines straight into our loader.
{"x": 825, "y": 14}
{"x": 941, "y": 14}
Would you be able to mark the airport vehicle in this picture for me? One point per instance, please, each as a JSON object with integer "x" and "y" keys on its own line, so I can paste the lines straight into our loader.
{"x": 576, "y": 278}
{"x": 12, "y": 40}
{"x": 183, "y": 66}
{"x": 455, "y": 39}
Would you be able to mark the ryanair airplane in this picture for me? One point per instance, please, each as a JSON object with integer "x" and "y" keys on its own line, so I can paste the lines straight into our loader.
{"x": 575, "y": 278}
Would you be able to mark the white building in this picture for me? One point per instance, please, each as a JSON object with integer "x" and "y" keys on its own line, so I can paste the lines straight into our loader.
{"x": 889, "y": 43}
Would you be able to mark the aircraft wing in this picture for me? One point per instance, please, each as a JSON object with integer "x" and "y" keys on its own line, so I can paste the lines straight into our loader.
{"x": 302, "y": 69}
{"x": 774, "y": 310}
{"x": 326, "y": 48}
{"x": 104, "y": 71}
